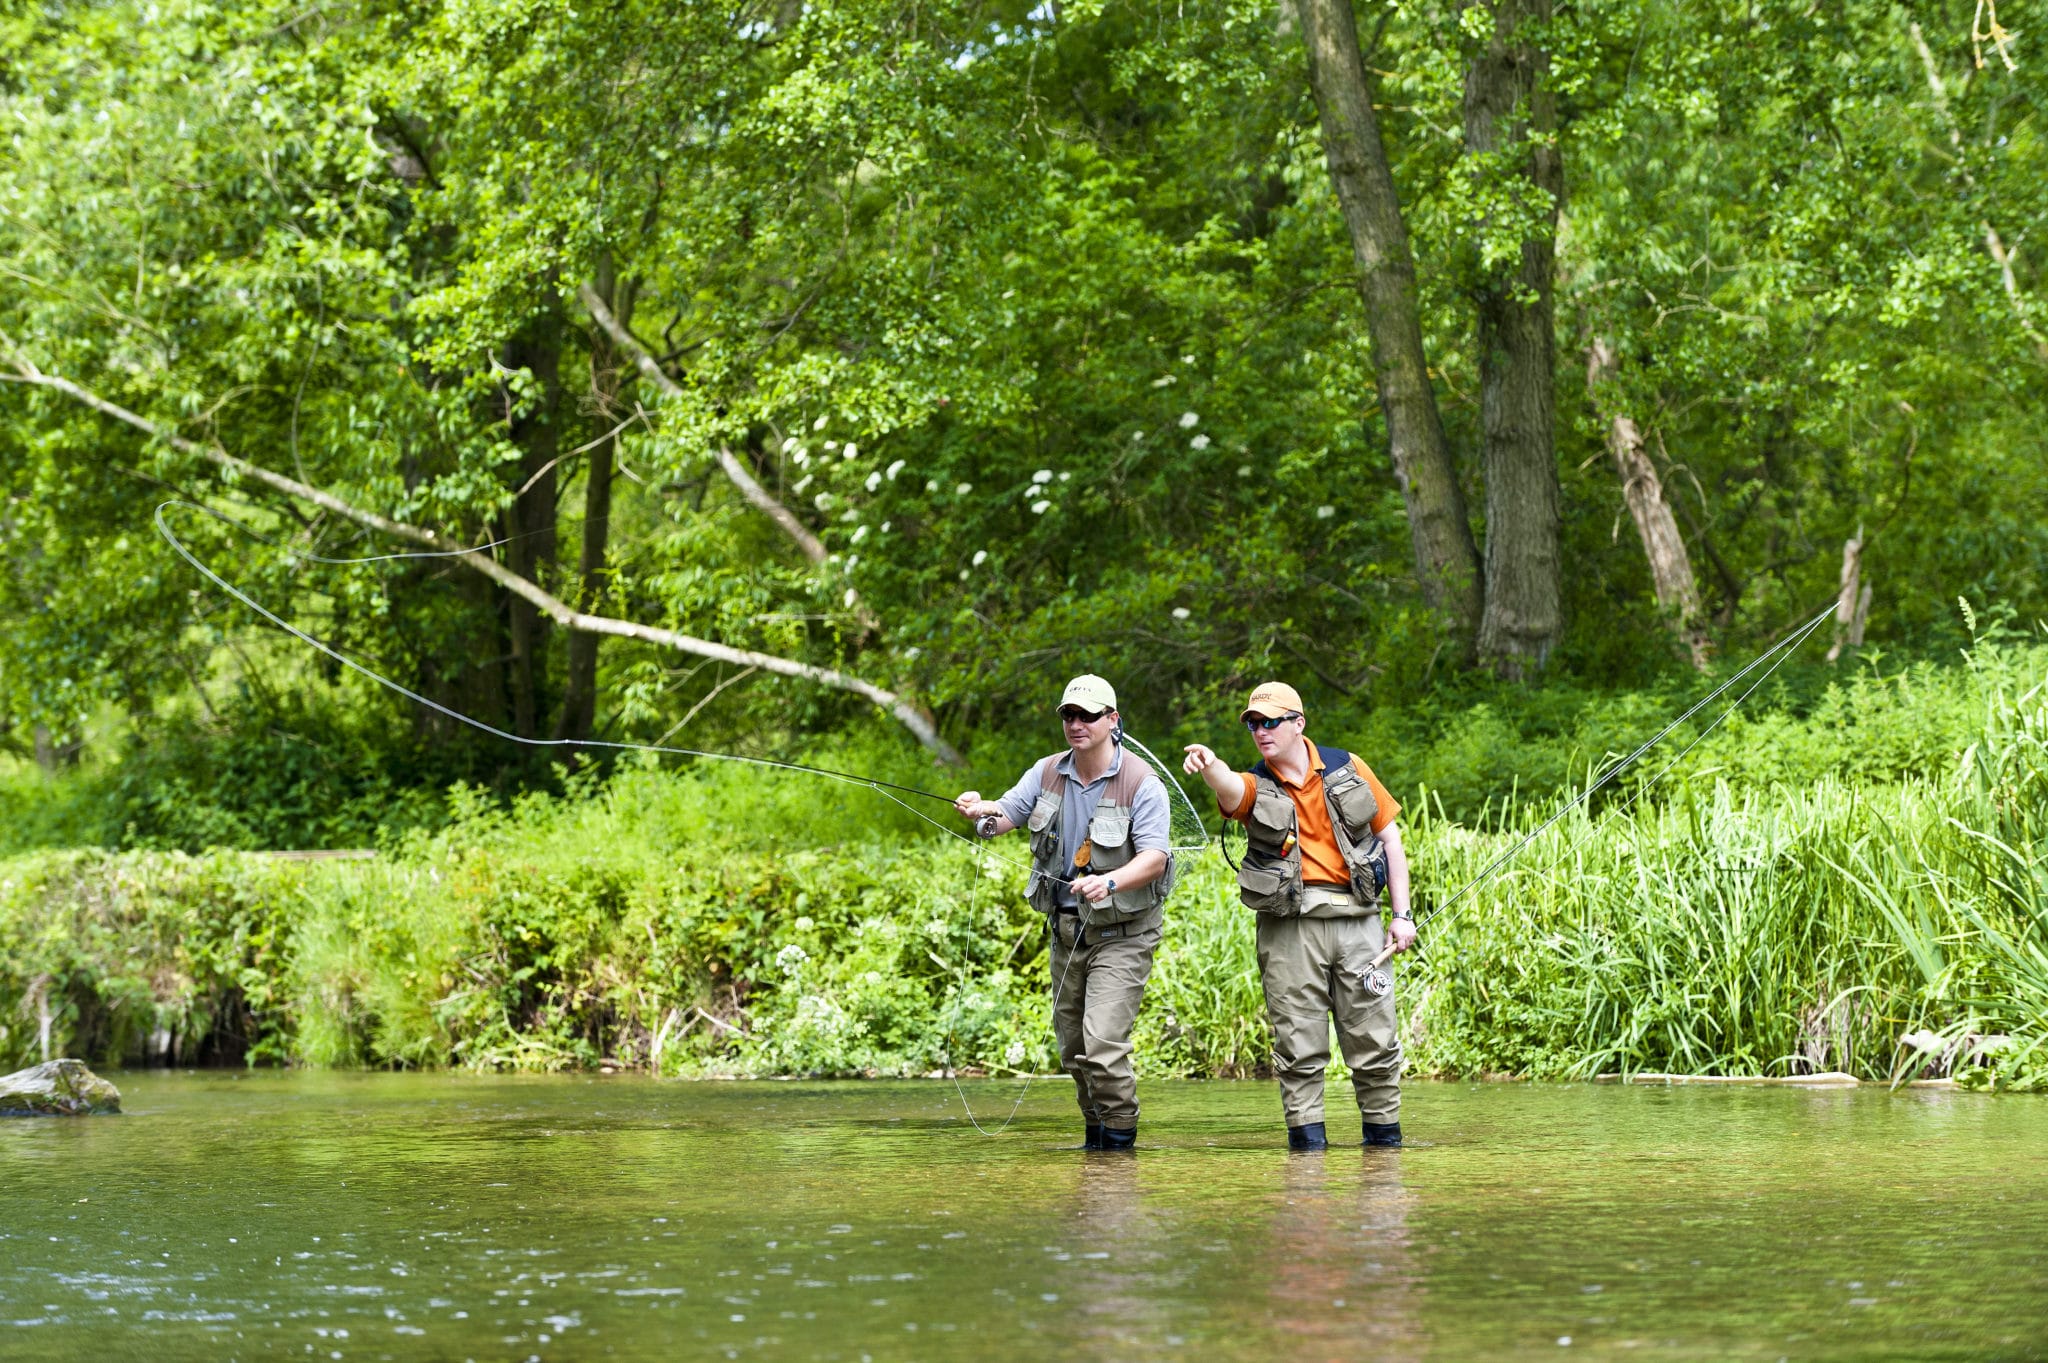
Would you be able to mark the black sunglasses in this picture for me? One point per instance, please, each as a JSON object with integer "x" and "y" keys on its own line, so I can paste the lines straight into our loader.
{"x": 1070, "y": 713}
{"x": 1266, "y": 722}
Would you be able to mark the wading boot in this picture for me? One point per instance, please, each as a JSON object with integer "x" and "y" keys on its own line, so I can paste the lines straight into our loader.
{"x": 1092, "y": 1139}
{"x": 1309, "y": 1137}
{"x": 1382, "y": 1133}
{"x": 1113, "y": 1139}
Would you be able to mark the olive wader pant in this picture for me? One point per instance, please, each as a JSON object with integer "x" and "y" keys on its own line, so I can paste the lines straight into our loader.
{"x": 1311, "y": 968}
{"x": 1096, "y": 987}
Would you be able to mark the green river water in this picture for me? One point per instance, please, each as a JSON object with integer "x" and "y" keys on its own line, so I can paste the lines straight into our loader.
{"x": 351, "y": 1216}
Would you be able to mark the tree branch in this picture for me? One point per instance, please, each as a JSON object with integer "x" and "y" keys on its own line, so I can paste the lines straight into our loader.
{"x": 555, "y": 609}
{"x": 737, "y": 473}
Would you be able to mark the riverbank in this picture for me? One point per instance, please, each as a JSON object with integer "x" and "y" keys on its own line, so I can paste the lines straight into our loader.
{"x": 1881, "y": 930}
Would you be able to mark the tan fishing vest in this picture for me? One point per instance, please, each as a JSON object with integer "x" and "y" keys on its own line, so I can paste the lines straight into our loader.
{"x": 1108, "y": 844}
{"x": 1269, "y": 881}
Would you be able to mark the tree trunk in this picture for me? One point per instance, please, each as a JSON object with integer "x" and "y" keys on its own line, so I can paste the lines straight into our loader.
{"x": 530, "y": 520}
{"x": 1671, "y": 572}
{"x": 579, "y": 692}
{"x": 1509, "y": 111}
{"x": 1446, "y": 560}
{"x": 1852, "y": 604}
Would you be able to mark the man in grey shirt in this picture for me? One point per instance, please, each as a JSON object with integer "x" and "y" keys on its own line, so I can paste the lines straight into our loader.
{"x": 1100, "y": 871}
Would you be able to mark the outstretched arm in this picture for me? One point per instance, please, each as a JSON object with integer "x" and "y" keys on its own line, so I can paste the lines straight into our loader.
{"x": 1216, "y": 774}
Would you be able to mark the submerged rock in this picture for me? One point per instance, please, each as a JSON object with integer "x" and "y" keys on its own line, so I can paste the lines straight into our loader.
{"x": 57, "y": 1088}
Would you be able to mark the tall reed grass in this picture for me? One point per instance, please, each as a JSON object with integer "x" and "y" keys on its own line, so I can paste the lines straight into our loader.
{"x": 1889, "y": 929}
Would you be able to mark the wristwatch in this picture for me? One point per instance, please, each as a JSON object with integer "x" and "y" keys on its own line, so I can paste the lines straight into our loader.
{"x": 1110, "y": 882}
{"x": 1404, "y": 915}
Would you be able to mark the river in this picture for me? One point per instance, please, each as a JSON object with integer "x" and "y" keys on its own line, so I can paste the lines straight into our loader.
{"x": 387, "y": 1216}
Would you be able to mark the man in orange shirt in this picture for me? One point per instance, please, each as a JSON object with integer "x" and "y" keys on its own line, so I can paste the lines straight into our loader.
{"x": 1321, "y": 851}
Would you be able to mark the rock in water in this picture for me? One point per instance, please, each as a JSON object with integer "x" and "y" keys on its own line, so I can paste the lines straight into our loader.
{"x": 57, "y": 1088}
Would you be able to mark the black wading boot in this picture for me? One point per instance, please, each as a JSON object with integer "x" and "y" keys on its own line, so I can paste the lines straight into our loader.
{"x": 1113, "y": 1139}
{"x": 1309, "y": 1137}
{"x": 1382, "y": 1133}
{"x": 1092, "y": 1140}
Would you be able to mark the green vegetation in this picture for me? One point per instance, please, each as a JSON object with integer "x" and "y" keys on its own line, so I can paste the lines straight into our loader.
{"x": 1773, "y": 923}
{"x": 830, "y": 381}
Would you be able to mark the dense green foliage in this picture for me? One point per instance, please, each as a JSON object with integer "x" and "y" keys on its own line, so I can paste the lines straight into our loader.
{"x": 1769, "y": 923}
{"x": 1040, "y": 319}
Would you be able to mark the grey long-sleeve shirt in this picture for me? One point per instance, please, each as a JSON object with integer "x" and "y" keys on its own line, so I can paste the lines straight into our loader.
{"x": 1151, "y": 816}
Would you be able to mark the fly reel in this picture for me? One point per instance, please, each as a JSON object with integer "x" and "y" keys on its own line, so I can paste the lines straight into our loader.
{"x": 1376, "y": 979}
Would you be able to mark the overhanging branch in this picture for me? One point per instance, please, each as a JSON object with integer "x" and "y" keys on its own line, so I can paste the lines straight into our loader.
{"x": 553, "y": 607}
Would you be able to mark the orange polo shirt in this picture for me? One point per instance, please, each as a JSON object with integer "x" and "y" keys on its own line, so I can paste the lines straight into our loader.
{"x": 1321, "y": 861}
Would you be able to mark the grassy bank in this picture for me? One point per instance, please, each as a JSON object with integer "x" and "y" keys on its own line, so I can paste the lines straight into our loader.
{"x": 697, "y": 924}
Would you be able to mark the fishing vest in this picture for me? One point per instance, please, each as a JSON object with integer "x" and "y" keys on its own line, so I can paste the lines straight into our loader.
{"x": 1269, "y": 881}
{"x": 1108, "y": 846}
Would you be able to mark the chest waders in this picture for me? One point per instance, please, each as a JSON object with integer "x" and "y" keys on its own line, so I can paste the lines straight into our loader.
{"x": 1269, "y": 881}
{"x": 1107, "y": 848}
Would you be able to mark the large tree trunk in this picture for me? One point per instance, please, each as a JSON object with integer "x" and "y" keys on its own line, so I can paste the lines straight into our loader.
{"x": 1509, "y": 110}
{"x": 1671, "y": 572}
{"x": 530, "y": 520}
{"x": 1446, "y": 560}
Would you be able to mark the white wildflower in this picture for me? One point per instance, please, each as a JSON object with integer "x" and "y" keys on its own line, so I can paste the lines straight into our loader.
{"x": 1014, "y": 1056}
{"x": 1189, "y": 419}
{"x": 850, "y": 451}
{"x": 804, "y": 923}
{"x": 851, "y": 597}
{"x": 790, "y": 960}
{"x": 831, "y": 445}
{"x": 1137, "y": 436}
{"x": 853, "y": 560}
{"x": 1164, "y": 379}
{"x": 860, "y": 532}
{"x": 873, "y": 977}
{"x": 936, "y": 927}
{"x": 800, "y": 484}
{"x": 884, "y": 530}
{"x": 1040, "y": 508}
{"x": 980, "y": 557}
{"x": 963, "y": 574}
{"x": 1064, "y": 476}
{"x": 1180, "y": 612}
{"x": 1324, "y": 513}
{"x": 931, "y": 485}
{"x": 1042, "y": 476}
{"x": 963, "y": 489}
{"x": 895, "y": 469}
{"x": 789, "y": 444}
{"x": 1244, "y": 470}
{"x": 851, "y": 513}
{"x": 823, "y": 501}
{"x": 1187, "y": 359}
{"x": 1200, "y": 442}
{"x": 802, "y": 456}
{"x": 874, "y": 481}
{"x": 819, "y": 424}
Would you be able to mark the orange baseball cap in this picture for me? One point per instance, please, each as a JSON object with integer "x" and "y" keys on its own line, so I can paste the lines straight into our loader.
{"x": 1272, "y": 699}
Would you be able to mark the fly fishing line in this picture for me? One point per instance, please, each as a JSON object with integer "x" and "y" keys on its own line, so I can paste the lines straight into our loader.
{"x": 1188, "y": 835}
{"x": 1375, "y": 977}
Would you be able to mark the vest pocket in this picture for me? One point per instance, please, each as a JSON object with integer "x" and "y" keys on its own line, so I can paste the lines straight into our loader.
{"x": 1355, "y": 806}
{"x": 1272, "y": 819}
{"x": 1270, "y": 886}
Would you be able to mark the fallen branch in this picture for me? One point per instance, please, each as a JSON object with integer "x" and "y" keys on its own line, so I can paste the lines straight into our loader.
{"x": 553, "y": 607}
